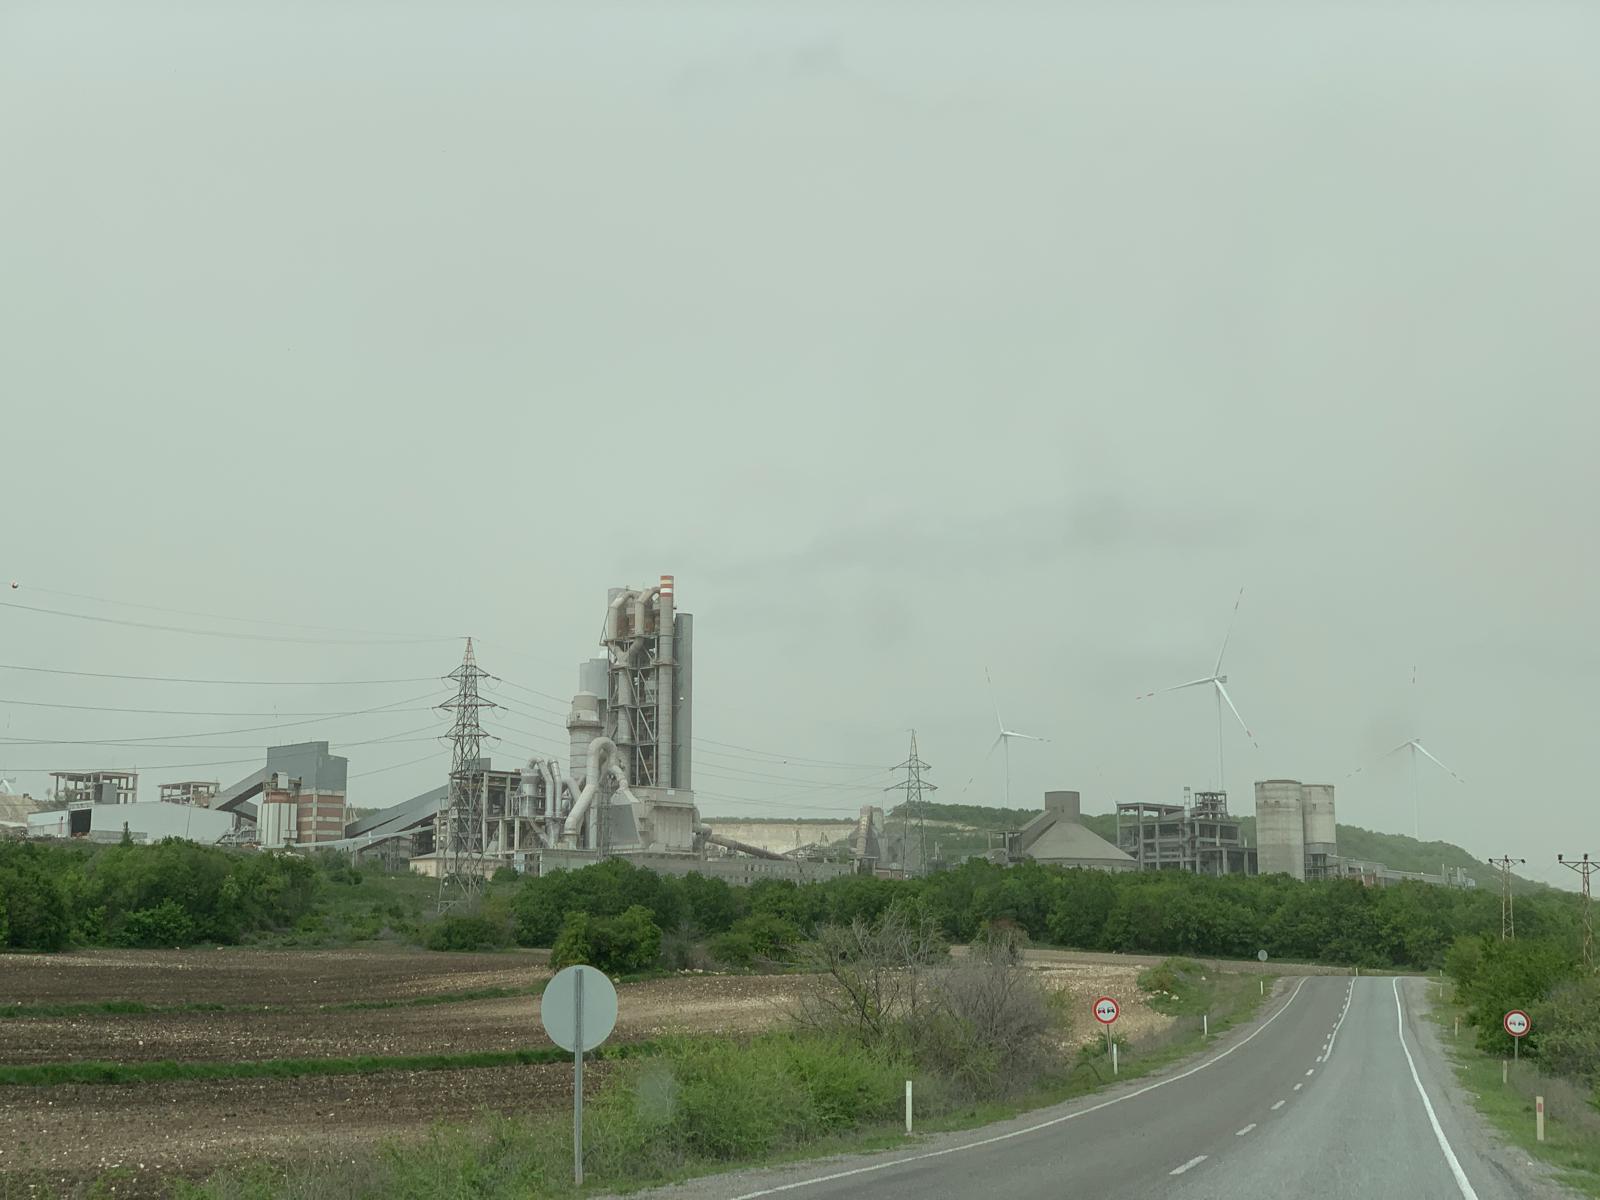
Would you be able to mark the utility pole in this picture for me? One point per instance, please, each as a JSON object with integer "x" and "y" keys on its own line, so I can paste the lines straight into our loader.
{"x": 1584, "y": 867}
{"x": 913, "y": 786}
{"x": 1508, "y": 914}
{"x": 458, "y": 830}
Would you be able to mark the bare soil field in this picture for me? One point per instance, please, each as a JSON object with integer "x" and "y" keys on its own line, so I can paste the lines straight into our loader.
{"x": 62, "y": 1136}
{"x": 684, "y": 1004}
{"x": 234, "y": 975}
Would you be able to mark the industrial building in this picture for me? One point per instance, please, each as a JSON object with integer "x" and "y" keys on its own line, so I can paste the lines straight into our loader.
{"x": 189, "y": 791}
{"x": 1199, "y": 836}
{"x": 1295, "y": 829}
{"x": 141, "y": 822}
{"x": 624, "y": 788}
{"x": 96, "y": 787}
{"x": 1057, "y": 837}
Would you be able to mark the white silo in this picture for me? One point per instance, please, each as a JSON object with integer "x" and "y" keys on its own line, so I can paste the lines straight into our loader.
{"x": 1280, "y": 828}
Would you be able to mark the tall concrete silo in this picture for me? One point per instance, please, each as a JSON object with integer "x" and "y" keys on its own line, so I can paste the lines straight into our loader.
{"x": 1321, "y": 831}
{"x": 1280, "y": 828}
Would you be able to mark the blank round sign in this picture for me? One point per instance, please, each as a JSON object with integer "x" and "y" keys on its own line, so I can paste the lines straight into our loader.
{"x": 558, "y": 1008}
{"x": 1261, "y": 956}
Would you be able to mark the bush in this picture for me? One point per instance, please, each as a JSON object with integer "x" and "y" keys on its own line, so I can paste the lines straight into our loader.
{"x": 625, "y": 943}
{"x": 464, "y": 932}
{"x": 724, "y": 1101}
{"x": 505, "y": 875}
{"x": 34, "y": 912}
{"x": 1569, "y": 1019}
{"x": 1492, "y": 977}
{"x": 763, "y": 936}
{"x": 164, "y": 925}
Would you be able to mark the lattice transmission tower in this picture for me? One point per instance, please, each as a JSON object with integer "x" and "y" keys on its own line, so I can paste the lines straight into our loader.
{"x": 1584, "y": 867}
{"x": 460, "y": 828}
{"x": 913, "y": 808}
{"x": 1508, "y": 909}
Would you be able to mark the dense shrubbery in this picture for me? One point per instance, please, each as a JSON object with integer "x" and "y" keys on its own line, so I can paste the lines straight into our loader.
{"x": 627, "y": 942}
{"x": 171, "y": 894}
{"x": 1411, "y": 925}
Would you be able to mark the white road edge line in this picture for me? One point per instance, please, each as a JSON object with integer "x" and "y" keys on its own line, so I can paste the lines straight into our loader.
{"x": 1279, "y": 1105}
{"x": 1193, "y": 1162}
{"x": 1015, "y": 1133}
{"x": 1462, "y": 1182}
{"x": 1298, "y": 1086}
{"x": 1313, "y": 1071}
{"x": 1348, "y": 996}
{"x": 1245, "y": 1130}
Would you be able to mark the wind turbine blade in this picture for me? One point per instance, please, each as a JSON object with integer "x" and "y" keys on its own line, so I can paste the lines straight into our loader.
{"x": 999, "y": 724}
{"x": 1380, "y": 758}
{"x": 1423, "y": 750}
{"x": 1027, "y": 737}
{"x": 994, "y": 745}
{"x": 1177, "y": 687}
{"x": 1223, "y": 692}
{"x": 1217, "y": 670}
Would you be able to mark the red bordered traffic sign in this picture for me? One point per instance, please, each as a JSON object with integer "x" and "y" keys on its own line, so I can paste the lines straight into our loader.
{"x": 1517, "y": 1023}
{"x": 1106, "y": 1010}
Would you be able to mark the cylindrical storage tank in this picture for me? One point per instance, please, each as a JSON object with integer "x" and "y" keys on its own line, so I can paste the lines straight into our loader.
{"x": 1280, "y": 828}
{"x": 1322, "y": 835}
{"x": 1068, "y": 804}
{"x": 583, "y": 726}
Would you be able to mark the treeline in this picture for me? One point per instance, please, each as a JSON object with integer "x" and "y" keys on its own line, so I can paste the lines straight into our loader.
{"x": 174, "y": 893}
{"x": 1342, "y": 922}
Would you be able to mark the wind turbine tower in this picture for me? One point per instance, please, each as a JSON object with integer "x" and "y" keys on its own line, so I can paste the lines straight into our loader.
{"x": 1005, "y": 736}
{"x": 1218, "y": 683}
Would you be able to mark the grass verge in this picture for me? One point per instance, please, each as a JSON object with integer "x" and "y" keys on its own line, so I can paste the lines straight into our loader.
{"x": 53, "y": 1074}
{"x": 1572, "y": 1125}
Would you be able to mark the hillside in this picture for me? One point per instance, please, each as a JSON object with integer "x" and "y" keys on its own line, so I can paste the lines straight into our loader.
{"x": 967, "y": 828}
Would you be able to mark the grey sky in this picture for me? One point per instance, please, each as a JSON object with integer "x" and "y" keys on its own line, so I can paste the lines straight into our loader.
{"x": 912, "y": 339}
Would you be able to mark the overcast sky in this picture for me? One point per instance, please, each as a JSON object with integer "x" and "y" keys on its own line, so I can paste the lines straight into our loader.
{"x": 913, "y": 339}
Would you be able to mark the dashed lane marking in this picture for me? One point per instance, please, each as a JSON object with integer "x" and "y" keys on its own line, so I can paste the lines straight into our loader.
{"x": 1245, "y": 1130}
{"x": 1279, "y": 1105}
{"x": 1193, "y": 1162}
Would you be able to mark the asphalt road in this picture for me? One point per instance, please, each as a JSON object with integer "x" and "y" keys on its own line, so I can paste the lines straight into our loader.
{"x": 1338, "y": 1090}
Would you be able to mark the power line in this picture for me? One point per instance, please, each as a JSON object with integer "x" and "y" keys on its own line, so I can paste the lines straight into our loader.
{"x": 1508, "y": 911}
{"x": 187, "y": 612}
{"x": 396, "y": 766}
{"x": 460, "y": 843}
{"x": 222, "y": 682}
{"x": 188, "y": 712}
{"x": 215, "y": 745}
{"x": 913, "y": 786}
{"x": 791, "y": 759}
{"x": 220, "y": 633}
{"x": 1585, "y": 868}
{"x": 382, "y": 708}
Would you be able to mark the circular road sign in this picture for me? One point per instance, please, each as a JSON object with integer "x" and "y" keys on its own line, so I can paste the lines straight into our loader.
{"x": 1106, "y": 1010}
{"x": 1261, "y": 956}
{"x": 1517, "y": 1023}
{"x": 558, "y": 1007}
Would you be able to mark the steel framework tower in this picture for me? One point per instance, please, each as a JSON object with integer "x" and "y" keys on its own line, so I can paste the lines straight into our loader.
{"x": 1508, "y": 910}
{"x": 459, "y": 829}
{"x": 1584, "y": 867}
{"x": 913, "y": 786}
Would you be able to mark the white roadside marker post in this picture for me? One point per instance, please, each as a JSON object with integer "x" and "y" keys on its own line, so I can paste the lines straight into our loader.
{"x": 908, "y": 1106}
{"x": 1538, "y": 1117}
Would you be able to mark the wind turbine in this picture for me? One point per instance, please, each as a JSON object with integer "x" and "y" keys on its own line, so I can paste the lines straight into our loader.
{"x": 1217, "y": 681}
{"x": 1415, "y": 746}
{"x": 1003, "y": 738}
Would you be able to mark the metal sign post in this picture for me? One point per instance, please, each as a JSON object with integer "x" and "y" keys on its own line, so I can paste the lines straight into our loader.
{"x": 1106, "y": 1011}
{"x": 1517, "y": 1025}
{"x": 579, "y": 1011}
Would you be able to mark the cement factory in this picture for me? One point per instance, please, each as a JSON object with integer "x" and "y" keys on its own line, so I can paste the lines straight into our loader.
{"x": 625, "y": 789}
